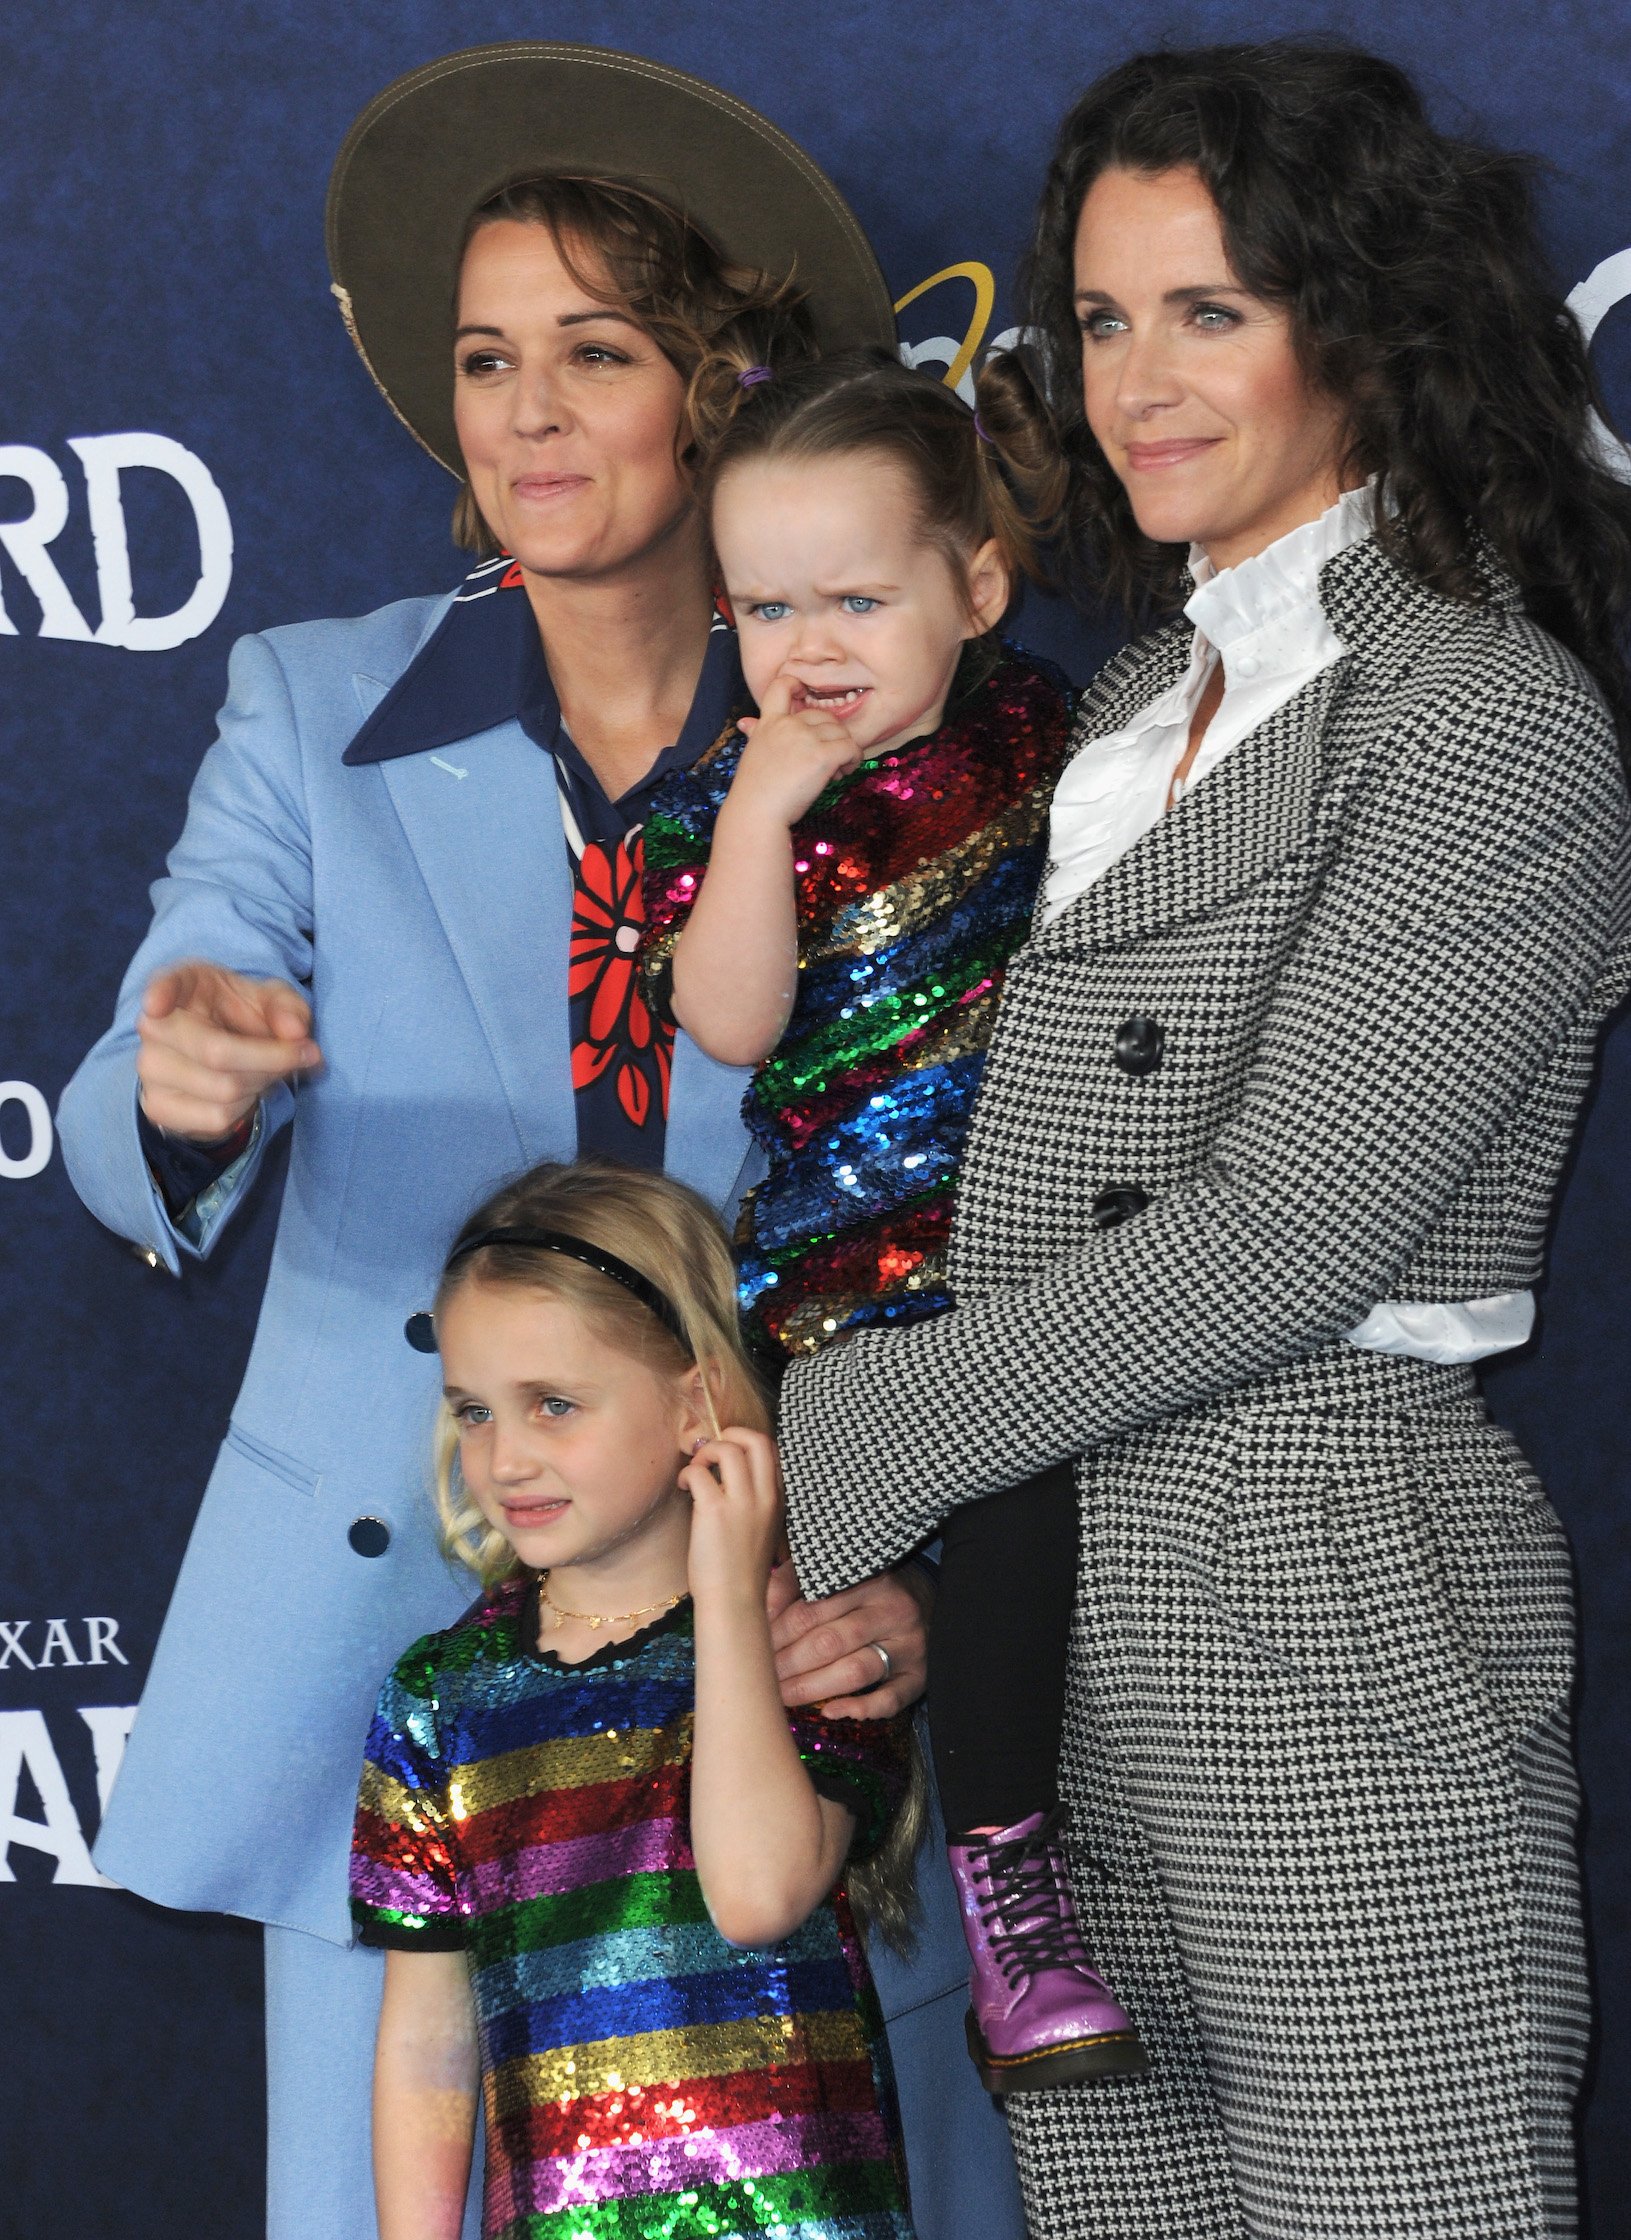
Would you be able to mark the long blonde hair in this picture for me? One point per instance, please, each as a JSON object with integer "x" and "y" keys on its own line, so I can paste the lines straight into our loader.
{"x": 663, "y": 1231}
{"x": 671, "y": 1236}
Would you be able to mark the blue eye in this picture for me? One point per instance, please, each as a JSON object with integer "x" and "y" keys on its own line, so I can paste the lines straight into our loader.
{"x": 856, "y": 602}
{"x": 1215, "y": 317}
{"x": 555, "y": 1406}
{"x": 1097, "y": 324}
{"x": 471, "y": 1415}
{"x": 770, "y": 610}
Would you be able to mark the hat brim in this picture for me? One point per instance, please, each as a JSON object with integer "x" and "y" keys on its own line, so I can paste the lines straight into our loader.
{"x": 430, "y": 149}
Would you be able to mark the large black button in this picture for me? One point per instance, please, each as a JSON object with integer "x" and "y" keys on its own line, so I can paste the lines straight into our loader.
{"x": 369, "y": 1536}
{"x": 1141, "y": 1044}
{"x": 1117, "y": 1203}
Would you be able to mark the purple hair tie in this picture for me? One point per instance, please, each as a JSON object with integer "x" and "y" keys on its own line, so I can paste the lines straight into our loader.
{"x": 982, "y": 431}
{"x": 752, "y": 376}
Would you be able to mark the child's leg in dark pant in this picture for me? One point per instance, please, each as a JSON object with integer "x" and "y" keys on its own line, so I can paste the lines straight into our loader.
{"x": 999, "y": 1642}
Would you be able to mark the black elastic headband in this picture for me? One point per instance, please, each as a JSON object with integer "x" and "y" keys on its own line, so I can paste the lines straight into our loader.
{"x": 420, "y": 1331}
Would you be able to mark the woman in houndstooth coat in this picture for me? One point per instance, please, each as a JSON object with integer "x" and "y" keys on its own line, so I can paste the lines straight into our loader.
{"x": 1275, "y": 1110}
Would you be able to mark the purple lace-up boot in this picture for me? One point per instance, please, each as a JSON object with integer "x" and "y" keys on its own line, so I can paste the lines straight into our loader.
{"x": 1041, "y": 2014}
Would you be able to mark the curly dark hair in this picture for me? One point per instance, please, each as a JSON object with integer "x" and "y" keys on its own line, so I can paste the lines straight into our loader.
{"x": 1419, "y": 296}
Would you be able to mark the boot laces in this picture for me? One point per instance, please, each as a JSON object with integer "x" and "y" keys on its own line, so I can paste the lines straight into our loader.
{"x": 1026, "y": 1905}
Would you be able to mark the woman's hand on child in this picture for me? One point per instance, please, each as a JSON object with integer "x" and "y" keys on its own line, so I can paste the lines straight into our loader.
{"x": 827, "y": 1651}
{"x": 792, "y": 755}
{"x": 736, "y": 1515}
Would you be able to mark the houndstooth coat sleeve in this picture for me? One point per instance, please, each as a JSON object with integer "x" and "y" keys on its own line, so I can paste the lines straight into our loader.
{"x": 1372, "y": 951}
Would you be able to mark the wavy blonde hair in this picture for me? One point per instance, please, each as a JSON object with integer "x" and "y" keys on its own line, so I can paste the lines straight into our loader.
{"x": 667, "y": 1234}
{"x": 672, "y": 1237}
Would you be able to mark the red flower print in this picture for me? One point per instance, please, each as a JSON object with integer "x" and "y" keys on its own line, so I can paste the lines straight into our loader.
{"x": 607, "y": 916}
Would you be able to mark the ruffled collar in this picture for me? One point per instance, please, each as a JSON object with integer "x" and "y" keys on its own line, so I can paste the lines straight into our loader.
{"x": 1263, "y": 617}
{"x": 1273, "y": 597}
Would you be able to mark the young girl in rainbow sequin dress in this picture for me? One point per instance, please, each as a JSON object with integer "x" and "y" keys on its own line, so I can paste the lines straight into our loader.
{"x": 832, "y": 896}
{"x": 608, "y": 1868}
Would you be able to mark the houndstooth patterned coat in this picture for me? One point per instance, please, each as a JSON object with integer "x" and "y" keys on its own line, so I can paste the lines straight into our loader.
{"x": 1322, "y": 1808}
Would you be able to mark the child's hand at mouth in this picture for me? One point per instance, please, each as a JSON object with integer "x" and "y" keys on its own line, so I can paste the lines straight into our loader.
{"x": 797, "y": 745}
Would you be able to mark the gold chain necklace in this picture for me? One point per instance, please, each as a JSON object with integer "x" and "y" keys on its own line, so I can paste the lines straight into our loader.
{"x": 594, "y": 1624}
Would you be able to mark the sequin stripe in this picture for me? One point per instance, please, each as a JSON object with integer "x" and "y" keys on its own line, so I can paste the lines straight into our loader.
{"x": 895, "y": 1150}
{"x": 386, "y": 1886}
{"x": 878, "y": 1256}
{"x": 654, "y": 961}
{"x": 401, "y": 1739}
{"x": 658, "y": 2056}
{"x": 489, "y": 1830}
{"x": 535, "y": 1870}
{"x": 628, "y": 1901}
{"x": 385, "y": 1799}
{"x": 810, "y": 1324}
{"x": 609, "y": 2010}
{"x": 678, "y": 2109}
{"x": 962, "y": 1032}
{"x": 850, "y": 2201}
{"x": 888, "y": 1164}
{"x": 912, "y": 905}
{"x": 770, "y": 2148}
{"x": 873, "y": 1026}
{"x": 618, "y": 1954}
{"x": 872, "y": 829}
{"x": 569, "y": 1762}
{"x": 997, "y": 912}
{"x": 486, "y": 1629}
{"x": 390, "y": 1926}
{"x": 677, "y": 832}
{"x": 494, "y": 1721}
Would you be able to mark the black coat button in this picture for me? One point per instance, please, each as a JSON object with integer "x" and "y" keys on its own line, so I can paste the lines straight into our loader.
{"x": 369, "y": 1536}
{"x": 1141, "y": 1044}
{"x": 1118, "y": 1202}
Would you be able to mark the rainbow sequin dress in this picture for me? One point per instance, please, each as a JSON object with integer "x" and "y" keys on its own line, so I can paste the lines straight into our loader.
{"x": 916, "y": 878}
{"x": 643, "y": 2079}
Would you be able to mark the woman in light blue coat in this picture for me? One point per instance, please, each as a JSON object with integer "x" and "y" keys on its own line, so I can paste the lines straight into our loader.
{"x": 400, "y": 917}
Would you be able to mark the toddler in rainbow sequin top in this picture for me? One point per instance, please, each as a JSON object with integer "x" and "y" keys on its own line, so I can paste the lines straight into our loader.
{"x": 832, "y": 896}
{"x": 611, "y": 1872}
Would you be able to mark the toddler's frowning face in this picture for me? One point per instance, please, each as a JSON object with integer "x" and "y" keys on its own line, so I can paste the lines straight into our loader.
{"x": 835, "y": 586}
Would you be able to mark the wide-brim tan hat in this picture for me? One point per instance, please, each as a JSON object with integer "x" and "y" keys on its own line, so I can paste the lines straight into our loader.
{"x": 429, "y": 150}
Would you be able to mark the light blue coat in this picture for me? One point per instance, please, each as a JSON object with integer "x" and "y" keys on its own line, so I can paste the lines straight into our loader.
{"x": 425, "y": 902}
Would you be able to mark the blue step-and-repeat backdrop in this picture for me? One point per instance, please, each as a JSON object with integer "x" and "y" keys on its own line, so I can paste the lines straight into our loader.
{"x": 189, "y": 449}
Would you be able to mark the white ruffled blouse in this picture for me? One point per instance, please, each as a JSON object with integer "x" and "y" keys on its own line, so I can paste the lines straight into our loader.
{"x": 1263, "y": 620}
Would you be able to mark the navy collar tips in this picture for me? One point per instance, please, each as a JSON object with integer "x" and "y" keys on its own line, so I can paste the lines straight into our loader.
{"x": 481, "y": 666}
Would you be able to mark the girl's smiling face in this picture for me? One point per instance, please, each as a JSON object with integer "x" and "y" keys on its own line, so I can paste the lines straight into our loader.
{"x": 1192, "y": 385}
{"x": 834, "y": 586}
{"x": 570, "y": 1448}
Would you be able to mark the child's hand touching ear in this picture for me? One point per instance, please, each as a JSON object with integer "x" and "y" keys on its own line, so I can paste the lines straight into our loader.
{"x": 791, "y": 756}
{"x": 736, "y": 1518}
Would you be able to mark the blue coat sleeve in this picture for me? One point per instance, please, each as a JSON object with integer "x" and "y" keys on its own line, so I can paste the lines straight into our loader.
{"x": 237, "y": 891}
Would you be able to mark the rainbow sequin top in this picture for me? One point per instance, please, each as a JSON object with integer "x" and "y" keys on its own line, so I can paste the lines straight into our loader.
{"x": 916, "y": 878}
{"x": 643, "y": 2079}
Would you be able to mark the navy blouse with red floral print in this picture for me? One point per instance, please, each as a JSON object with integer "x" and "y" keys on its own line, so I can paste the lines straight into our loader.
{"x": 485, "y": 665}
